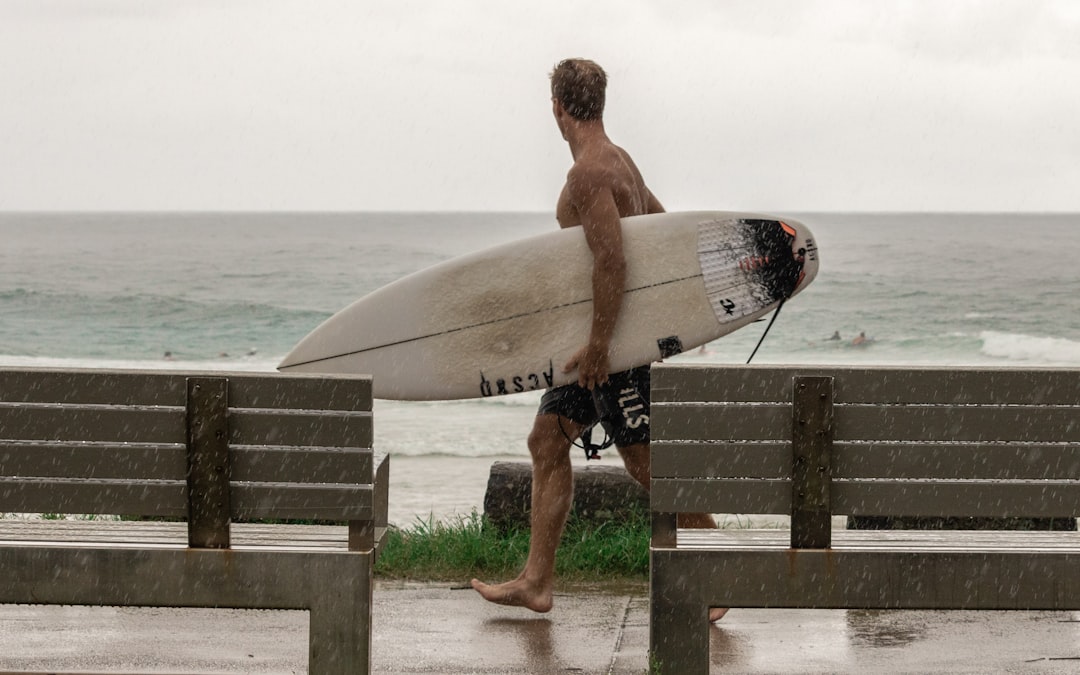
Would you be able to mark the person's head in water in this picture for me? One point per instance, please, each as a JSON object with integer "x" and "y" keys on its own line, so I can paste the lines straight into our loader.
{"x": 579, "y": 86}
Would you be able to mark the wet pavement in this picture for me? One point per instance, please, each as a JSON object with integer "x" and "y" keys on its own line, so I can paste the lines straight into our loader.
{"x": 440, "y": 628}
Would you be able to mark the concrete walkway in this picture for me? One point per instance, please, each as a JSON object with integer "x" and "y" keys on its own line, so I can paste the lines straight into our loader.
{"x": 438, "y": 628}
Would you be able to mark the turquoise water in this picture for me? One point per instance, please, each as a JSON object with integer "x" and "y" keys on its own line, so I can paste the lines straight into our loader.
{"x": 236, "y": 291}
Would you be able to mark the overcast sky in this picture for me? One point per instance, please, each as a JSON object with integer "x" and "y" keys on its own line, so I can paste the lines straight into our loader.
{"x": 829, "y": 105}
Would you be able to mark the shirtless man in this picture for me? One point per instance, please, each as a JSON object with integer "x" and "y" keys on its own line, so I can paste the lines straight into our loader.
{"x": 602, "y": 186}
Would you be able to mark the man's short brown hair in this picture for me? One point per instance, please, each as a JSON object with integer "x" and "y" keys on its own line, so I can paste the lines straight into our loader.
{"x": 579, "y": 85}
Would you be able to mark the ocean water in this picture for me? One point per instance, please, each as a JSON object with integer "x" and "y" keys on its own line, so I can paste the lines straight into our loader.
{"x": 235, "y": 291}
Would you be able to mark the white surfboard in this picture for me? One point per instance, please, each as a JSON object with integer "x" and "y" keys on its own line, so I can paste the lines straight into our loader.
{"x": 506, "y": 319}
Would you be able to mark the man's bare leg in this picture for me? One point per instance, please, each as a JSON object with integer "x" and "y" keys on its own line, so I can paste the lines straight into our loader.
{"x": 552, "y": 496}
{"x": 637, "y": 461}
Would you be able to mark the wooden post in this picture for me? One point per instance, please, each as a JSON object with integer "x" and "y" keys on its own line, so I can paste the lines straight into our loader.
{"x": 664, "y": 530}
{"x": 811, "y": 445}
{"x": 208, "y": 462}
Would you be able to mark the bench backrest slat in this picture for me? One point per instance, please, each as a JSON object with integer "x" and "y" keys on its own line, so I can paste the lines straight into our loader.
{"x": 68, "y": 459}
{"x": 169, "y": 462}
{"x": 910, "y": 461}
{"x": 898, "y": 385}
{"x": 98, "y": 424}
{"x": 298, "y": 500}
{"x": 107, "y": 442}
{"x": 858, "y": 422}
{"x": 911, "y": 442}
{"x": 1043, "y": 499}
{"x": 287, "y": 428}
{"x": 169, "y": 498}
{"x": 1036, "y": 499}
{"x": 168, "y": 388}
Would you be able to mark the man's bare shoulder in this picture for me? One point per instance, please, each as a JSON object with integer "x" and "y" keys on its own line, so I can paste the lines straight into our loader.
{"x": 589, "y": 169}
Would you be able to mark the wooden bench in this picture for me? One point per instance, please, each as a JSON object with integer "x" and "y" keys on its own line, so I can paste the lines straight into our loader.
{"x": 814, "y": 442}
{"x": 208, "y": 448}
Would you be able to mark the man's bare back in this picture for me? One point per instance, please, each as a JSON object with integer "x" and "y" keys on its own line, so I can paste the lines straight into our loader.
{"x": 612, "y": 169}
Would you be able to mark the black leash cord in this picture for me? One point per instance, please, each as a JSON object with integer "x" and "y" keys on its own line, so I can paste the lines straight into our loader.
{"x": 775, "y": 314}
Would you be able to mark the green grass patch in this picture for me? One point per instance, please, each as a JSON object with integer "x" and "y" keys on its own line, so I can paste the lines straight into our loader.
{"x": 468, "y": 547}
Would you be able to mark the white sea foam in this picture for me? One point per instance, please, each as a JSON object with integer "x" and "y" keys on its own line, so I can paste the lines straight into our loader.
{"x": 1030, "y": 348}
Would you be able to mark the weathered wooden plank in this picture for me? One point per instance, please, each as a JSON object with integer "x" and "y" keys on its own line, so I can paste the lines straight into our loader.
{"x": 302, "y": 465}
{"x": 770, "y": 459}
{"x": 1034, "y": 499}
{"x": 93, "y": 460}
{"x": 1032, "y": 424}
{"x": 155, "y": 533}
{"x": 169, "y": 462}
{"x": 838, "y": 578}
{"x": 702, "y": 422}
{"x": 771, "y": 422}
{"x": 721, "y": 496}
{"x": 302, "y": 500}
{"x": 875, "y": 498}
{"x": 322, "y": 429}
{"x": 335, "y": 587}
{"x": 294, "y": 391}
{"x": 94, "y": 496}
{"x": 943, "y": 461}
{"x": 92, "y": 387}
{"x": 811, "y": 474}
{"x": 103, "y": 424}
{"x": 896, "y": 385}
{"x": 209, "y": 469}
{"x": 898, "y": 540}
{"x": 167, "y": 388}
{"x": 169, "y": 498}
{"x": 686, "y": 582}
{"x": 368, "y": 534}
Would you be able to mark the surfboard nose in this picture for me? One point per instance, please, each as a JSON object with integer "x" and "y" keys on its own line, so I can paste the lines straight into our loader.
{"x": 804, "y": 249}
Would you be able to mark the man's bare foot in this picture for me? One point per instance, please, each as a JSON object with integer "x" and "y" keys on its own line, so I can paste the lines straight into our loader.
{"x": 516, "y": 593}
{"x": 717, "y": 613}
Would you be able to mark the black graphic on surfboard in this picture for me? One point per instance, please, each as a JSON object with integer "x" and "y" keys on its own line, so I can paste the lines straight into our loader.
{"x": 772, "y": 261}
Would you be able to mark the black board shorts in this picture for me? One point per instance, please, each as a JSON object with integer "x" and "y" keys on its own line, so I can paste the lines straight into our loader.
{"x": 621, "y": 405}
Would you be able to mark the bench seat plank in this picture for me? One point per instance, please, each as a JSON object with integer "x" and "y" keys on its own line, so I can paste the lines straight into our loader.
{"x": 725, "y": 540}
{"x": 139, "y": 533}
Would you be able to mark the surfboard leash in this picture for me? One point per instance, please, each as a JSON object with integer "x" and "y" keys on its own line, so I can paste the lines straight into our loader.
{"x": 592, "y": 450}
{"x": 771, "y": 321}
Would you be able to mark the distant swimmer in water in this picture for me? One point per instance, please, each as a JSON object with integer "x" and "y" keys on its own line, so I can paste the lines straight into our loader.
{"x": 860, "y": 340}
{"x": 168, "y": 356}
{"x": 836, "y": 336}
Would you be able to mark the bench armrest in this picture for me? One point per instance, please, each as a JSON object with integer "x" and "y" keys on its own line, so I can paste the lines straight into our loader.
{"x": 368, "y": 535}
